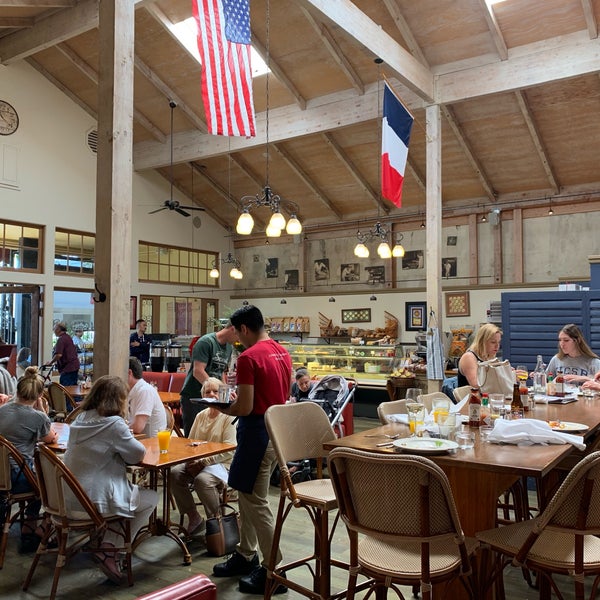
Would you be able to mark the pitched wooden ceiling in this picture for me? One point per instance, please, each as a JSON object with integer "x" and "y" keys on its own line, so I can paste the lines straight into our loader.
{"x": 518, "y": 83}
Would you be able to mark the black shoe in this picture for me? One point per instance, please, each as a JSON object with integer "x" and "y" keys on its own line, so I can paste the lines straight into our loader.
{"x": 256, "y": 582}
{"x": 235, "y": 564}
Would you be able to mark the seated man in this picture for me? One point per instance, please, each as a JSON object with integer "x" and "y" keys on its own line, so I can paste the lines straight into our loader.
{"x": 146, "y": 411}
{"x": 208, "y": 475}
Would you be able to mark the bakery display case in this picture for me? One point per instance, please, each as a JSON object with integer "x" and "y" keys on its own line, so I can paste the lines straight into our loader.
{"x": 369, "y": 365}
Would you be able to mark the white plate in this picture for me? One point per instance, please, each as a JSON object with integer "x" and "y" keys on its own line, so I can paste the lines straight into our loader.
{"x": 568, "y": 427}
{"x": 425, "y": 445}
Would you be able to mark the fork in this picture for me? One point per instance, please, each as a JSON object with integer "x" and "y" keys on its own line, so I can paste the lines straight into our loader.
{"x": 387, "y": 435}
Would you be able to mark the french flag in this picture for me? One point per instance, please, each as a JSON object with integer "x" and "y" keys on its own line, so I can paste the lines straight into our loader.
{"x": 395, "y": 136}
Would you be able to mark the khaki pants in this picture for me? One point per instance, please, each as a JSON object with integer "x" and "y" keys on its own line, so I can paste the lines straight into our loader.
{"x": 208, "y": 487}
{"x": 257, "y": 522}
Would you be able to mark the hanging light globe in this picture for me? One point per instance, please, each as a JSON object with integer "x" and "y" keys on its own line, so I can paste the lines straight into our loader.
{"x": 245, "y": 223}
{"x": 272, "y": 231}
{"x": 398, "y": 251}
{"x": 384, "y": 250}
{"x": 293, "y": 227}
{"x": 361, "y": 251}
{"x": 277, "y": 220}
{"x": 214, "y": 273}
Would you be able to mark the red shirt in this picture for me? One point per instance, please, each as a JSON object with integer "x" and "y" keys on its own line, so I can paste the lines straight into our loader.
{"x": 268, "y": 367}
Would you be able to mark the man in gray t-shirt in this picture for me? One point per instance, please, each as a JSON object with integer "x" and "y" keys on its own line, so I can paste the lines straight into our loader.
{"x": 210, "y": 357}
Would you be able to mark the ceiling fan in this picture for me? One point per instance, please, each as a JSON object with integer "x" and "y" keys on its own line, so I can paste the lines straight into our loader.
{"x": 170, "y": 203}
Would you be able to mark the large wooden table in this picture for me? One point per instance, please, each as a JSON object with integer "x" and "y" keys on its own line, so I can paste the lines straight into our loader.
{"x": 77, "y": 392}
{"x": 181, "y": 450}
{"x": 479, "y": 476}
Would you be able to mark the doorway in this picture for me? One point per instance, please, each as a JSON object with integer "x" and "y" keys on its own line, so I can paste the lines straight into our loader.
{"x": 20, "y": 317}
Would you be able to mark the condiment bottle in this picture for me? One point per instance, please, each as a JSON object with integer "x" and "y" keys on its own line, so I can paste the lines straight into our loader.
{"x": 475, "y": 408}
{"x": 550, "y": 386}
{"x": 516, "y": 405}
{"x": 486, "y": 415}
{"x": 524, "y": 394}
{"x": 539, "y": 376}
{"x": 559, "y": 384}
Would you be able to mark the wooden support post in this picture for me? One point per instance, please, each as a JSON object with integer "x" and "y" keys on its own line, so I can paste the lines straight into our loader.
{"x": 114, "y": 186}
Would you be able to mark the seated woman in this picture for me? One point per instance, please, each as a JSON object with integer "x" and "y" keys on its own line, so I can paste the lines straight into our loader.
{"x": 208, "y": 475}
{"x": 100, "y": 447}
{"x": 24, "y": 426}
{"x": 301, "y": 387}
{"x": 484, "y": 347}
{"x": 576, "y": 359}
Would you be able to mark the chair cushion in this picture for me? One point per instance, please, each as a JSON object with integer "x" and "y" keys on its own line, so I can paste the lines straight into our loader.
{"x": 177, "y": 381}
{"x": 162, "y": 379}
{"x": 198, "y": 587}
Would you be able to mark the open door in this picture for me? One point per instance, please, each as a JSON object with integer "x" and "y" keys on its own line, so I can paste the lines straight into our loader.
{"x": 20, "y": 317}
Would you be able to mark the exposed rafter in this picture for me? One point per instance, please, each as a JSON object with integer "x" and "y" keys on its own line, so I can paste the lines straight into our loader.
{"x": 295, "y": 166}
{"x": 279, "y": 73}
{"x": 336, "y": 52}
{"x": 37, "y": 3}
{"x": 157, "y": 13}
{"x": 494, "y": 27}
{"x": 247, "y": 170}
{"x": 91, "y": 74}
{"x": 354, "y": 171}
{"x": 13, "y": 22}
{"x": 537, "y": 139}
{"x": 590, "y": 18}
{"x": 168, "y": 92}
{"x": 405, "y": 30}
{"x": 468, "y": 151}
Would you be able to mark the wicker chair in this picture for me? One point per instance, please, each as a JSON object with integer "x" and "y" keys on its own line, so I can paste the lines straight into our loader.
{"x": 8, "y": 450}
{"x": 427, "y": 399}
{"x": 391, "y": 407}
{"x": 298, "y": 431}
{"x": 403, "y": 509}
{"x": 82, "y": 527}
{"x": 61, "y": 402}
{"x": 461, "y": 392}
{"x": 563, "y": 539}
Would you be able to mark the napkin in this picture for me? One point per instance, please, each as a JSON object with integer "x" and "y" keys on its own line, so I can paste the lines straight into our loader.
{"x": 525, "y": 432}
{"x": 456, "y": 408}
{"x": 398, "y": 418}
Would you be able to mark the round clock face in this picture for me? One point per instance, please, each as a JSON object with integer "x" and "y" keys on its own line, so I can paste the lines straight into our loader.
{"x": 9, "y": 119}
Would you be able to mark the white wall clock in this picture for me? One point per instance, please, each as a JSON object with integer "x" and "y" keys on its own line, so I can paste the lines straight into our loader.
{"x": 9, "y": 119}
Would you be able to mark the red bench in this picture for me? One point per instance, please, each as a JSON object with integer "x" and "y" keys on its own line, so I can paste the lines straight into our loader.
{"x": 198, "y": 587}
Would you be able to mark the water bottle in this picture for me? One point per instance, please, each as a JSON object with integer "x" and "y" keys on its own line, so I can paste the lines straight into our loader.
{"x": 539, "y": 376}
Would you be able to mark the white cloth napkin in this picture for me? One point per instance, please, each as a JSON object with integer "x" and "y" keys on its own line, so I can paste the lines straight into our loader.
{"x": 398, "y": 418}
{"x": 456, "y": 408}
{"x": 525, "y": 432}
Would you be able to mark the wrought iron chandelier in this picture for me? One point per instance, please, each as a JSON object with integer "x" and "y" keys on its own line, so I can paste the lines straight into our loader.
{"x": 383, "y": 250}
{"x": 235, "y": 271}
{"x": 277, "y": 222}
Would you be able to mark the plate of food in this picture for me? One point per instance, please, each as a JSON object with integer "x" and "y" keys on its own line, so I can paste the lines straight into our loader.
{"x": 417, "y": 445}
{"x": 567, "y": 426}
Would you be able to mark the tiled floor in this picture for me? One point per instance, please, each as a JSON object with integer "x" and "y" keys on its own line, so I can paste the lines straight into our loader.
{"x": 158, "y": 562}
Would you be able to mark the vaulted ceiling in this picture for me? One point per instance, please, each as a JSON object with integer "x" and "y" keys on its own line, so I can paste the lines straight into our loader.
{"x": 518, "y": 84}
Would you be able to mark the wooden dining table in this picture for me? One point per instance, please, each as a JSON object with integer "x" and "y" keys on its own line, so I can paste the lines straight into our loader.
{"x": 77, "y": 392}
{"x": 181, "y": 450}
{"x": 478, "y": 476}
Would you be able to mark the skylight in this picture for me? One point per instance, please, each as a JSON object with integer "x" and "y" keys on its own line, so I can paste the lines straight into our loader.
{"x": 185, "y": 31}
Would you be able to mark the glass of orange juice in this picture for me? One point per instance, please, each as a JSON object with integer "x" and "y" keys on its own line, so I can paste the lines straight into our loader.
{"x": 164, "y": 437}
{"x": 416, "y": 417}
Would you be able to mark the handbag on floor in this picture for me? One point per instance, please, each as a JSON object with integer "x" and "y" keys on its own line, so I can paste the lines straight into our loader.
{"x": 223, "y": 531}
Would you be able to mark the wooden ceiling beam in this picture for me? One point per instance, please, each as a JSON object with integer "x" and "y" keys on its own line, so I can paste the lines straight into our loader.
{"x": 37, "y": 3}
{"x": 336, "y": 52}
{"x": 468, "y": 152}
{"x": 168, "y": 25}
{"x": 279, "y": 73}
{"x": 354, "y": 171}
{"x": 295, "y": 166}
{"x": 57, "y": 27}
{"x": 590, "y": 18}
{"x": 242, "y": 164}
{"x": 494, "y": 27}
{"x": 369, "y": 34}
{"x": 169, "y": 93}
{"x": 91, "y": 74}
{"x": 405, "y": 31}
{"x": 537, "y": 139}
{"x": 410, "y": 163}
{"x": 12, "y": 22}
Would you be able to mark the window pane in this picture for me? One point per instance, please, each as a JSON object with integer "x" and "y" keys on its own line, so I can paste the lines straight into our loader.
{"x": 184, "y": 258}
{"x": 153, "y": 272}
{"x": 143, "y": 270}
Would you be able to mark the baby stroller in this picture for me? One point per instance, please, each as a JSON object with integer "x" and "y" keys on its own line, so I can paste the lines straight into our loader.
{"x": 333, "y": 393}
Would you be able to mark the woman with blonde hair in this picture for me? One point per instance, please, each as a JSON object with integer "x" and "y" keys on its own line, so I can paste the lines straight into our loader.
{"x": 100, "y": 447}
{"x": 23, "y": 425}
{"x": 485, "y": 346}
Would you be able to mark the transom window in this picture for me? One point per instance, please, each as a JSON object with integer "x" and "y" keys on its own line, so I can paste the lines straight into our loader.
{"x": 170, "y": 264}
{"x": 74, "y": 252}
{"x": 20, "y": 247}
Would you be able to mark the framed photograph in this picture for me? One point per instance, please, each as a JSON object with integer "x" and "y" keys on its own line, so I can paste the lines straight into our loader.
{"x": 132, "y": 311}
{"x": 321, "y": 269}
{"x": 271, "y": 268}
{"x": 451, "y": 240}
{"x": 416, "y": 316}
{"x": 290, "y": 280}
{"x": 457, "y": 304}
{"x": 375, "y": 274}
{"x": 350, "y": 272}
{"x": 448, "y": 267}
{"x": 413, "y": 259}
{"x": 356, "y": 315}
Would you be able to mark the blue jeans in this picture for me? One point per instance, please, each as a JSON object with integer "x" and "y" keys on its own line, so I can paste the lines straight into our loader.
{"x": 68, "y": 378}
{"x": 20, "y": 485}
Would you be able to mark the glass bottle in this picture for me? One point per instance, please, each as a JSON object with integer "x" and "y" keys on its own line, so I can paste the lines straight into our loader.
{"x": 486, "y": 415}
{"x": 475, "y": 408}
{"x": 516, "y": 406}
{"x": 559, "y": 384}
{"x": 550, "y": 386}
{"x": 524, "y": 394}
{"x": 539, "y": 376}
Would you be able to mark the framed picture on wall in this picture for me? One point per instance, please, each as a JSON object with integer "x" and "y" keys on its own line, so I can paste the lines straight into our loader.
{"x": 321, "y": 269}
{"x": 132, "y": 311}
{"x": 416, "y": 317}
{"x": 457, "y": 304}
{"x": 290, "y": 280}
{"x": 271, "y": 268}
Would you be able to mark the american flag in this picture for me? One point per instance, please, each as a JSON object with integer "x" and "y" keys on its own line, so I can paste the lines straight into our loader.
{"x": 224, "y": 44}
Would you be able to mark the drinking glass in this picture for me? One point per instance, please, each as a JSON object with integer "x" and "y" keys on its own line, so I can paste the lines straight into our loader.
{"x": 447, "y": 425}
{"x": 496, "y": 406}
{"x": 412, "y": 394}
{"x": 164, "y": 437}
{"x": 522, "y": 373}
{"x": 440, "y": 407}
{"x": 465, "y": 439}
{"x": 416, "y": 417}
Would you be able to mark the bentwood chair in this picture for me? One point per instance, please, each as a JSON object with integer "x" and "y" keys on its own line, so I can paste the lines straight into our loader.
{"x": 298, "y": 431}
{"x": 427, "y": 399}
{"x": 61, "y": 402}
{"x": 74, "y": 518}
{"x": 563, "y": 539}
{"x": 461, "y": 392}
{"x": 391, "y": 407}
{"x": 402, "y": 508}
{"x": 8, "y": 499}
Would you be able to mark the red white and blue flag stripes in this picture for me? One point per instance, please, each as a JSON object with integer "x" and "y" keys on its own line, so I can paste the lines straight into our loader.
{"x": 395, "y": 136}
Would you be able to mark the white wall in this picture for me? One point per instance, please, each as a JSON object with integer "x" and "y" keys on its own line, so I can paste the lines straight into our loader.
{"x": 56, "y": 187}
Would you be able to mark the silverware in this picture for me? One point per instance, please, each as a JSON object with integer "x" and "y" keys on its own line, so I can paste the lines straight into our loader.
{"x": 385, "y": 445}
{"x": 387, "y": 435}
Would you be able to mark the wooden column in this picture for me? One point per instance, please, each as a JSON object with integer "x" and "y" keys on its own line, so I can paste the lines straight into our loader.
{"x": 433, "y": 260}
{"x": 473, "y": 250}
{"x": 114, "y": 186}
{"x": 518, "y": 245}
